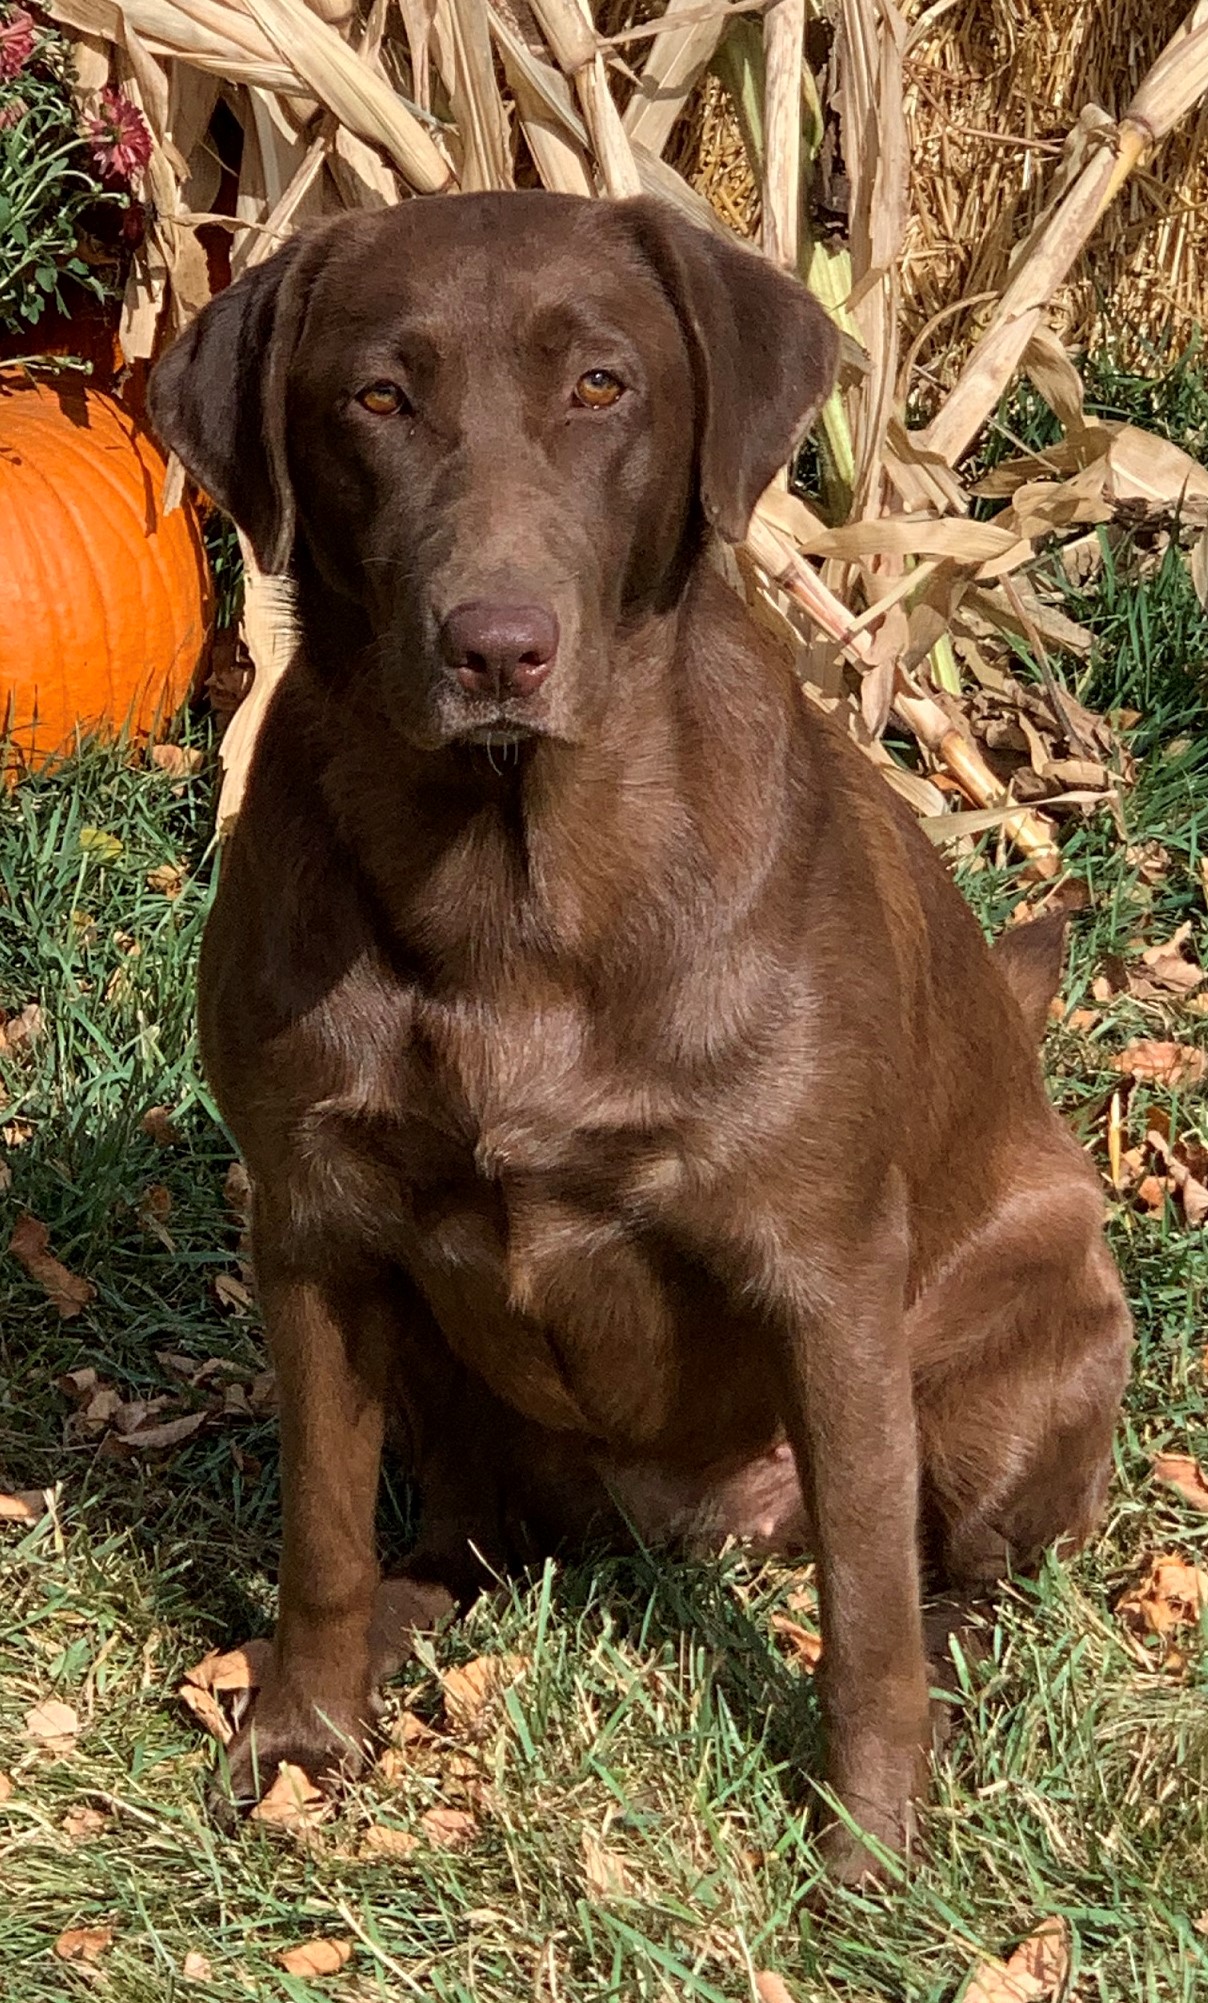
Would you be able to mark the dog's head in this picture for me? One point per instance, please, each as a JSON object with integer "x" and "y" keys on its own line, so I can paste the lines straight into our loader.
{"x": 491, "y": 425}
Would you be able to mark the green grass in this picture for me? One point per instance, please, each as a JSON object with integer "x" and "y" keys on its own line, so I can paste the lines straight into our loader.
{"x": 657, "y": 1714}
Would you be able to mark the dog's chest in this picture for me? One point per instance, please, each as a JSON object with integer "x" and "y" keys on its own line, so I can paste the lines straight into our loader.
{"x": 523, "y": 1173}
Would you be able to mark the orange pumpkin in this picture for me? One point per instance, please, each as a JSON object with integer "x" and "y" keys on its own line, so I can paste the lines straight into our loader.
{"x": 104, "y": 599}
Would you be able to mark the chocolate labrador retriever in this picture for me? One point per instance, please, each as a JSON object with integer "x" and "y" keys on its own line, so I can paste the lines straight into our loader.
{"x": 629, "y": 1097}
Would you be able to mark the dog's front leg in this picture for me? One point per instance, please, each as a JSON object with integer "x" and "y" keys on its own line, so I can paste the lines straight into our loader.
{"x": 849, "y": 1413}
{"x": 331, "y": 1335}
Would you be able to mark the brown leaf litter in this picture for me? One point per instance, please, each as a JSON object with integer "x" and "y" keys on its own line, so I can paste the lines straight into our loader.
{"x": 53, "y": 1725}
{"x": 233, "y": 1673}
{"x": 471, "y": 1690}
{"x": 1169, "y": 1597}
{"x": 1034, "y": 1973}
{"x": 158, "y": 1124}
{"x": 293, "y": 1803}
{"x": 315, "y": 1958}
{"x": 26, "y": 1506}
{"x": 1184, "y": 1474}
{"x": 83, "y": 1943}
{"x": 30, "y": 1246}
{"x": 801, "y": 1644}
{"x": 1173, "y": 1065}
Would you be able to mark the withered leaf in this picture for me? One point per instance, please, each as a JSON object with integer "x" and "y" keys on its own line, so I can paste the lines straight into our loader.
{"x": 176, "y": 761}
{"x": 314, "y": 1958}
{"x": 196, "y": 1968}
{"x": 1034, "y": 1973}
{"x": 380, "y": 1840}
{"x": 83, "y": 1943}
{"x": 1167, "y": 968}
{"x": 53, "y": 1724}
{"x": 30, "y": 1244}
{"x": 472, "y": 1688}
{"x": 207, "y": 1711}
{"x": 6, "y": 1785}
{"x": 772, "y": 1988}
{"x": 26, "y": 1506}
{"x": 231, "y": 1293}
{"x": 157, "y": 1122}
{"x": 82, "y": 1823}
{"x": 1171, "y": 1064}
{"x": 1182, "y": 1472}
{"x": 1171, "y": 1595}
{"x": 293, "y": 1802}
{"x": 232, "y": 1668}
{"x": 449, "y": 1828}
{"x": 801, "y": 1643}
{"x": 603, "y": 1869}
{"x": 168, "y": 879}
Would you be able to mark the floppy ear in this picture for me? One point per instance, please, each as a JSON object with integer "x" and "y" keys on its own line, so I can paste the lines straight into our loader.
{"x": 763, "y": 350}
{"x": 217, "y": 399}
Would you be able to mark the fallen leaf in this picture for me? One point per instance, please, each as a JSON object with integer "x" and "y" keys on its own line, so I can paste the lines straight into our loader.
{"x": 603, "y": 1869}
{"x": 6, "y": 1785}
{"x": 449, "y": 1828}
{"x": 237, "y": 1191}
{"x": 26, "y": 1506}
{"x": 23, "y": 1027}
{"x": 167, "y": 1434}
{"x": 1172, "y": 1595}
{"x": 1193, "y": 1194}
{"x": 195, "y": 1967}
{"x": 262, "y": 1392}
{"x": 1152, "y": 1191}
{"x": 231, "y": 1293}
{"x": 53, "y": 1725}
{"x": 472, "y": 1688}
{"x": 232, "y": 1668}
{"x": 1171, "y": 1064}
{"x": 772, "y": 1988}
{"x": 1167, "y": 968}
{"x": 293, "y": 1802}
{"x": 176, "y": 761}
{"x": 1150, "y": 860}
{"x": 82, "y": 1824}
{"x": 208, "y": 1712}
{"x": 84, "y": 1943}
{"x": 315, "y": 1958}
{"x": 168, "y": 879}
{"x": 157, "y": 1121}
{"x": 803, "y": 1644}
{"x": 1082, "y": 1019}
{"x": 381, "y": 1841}
{"x": 1181, "y": 1472}
{"x": 1035, "y": 1972}
{"x": 30, "y": 1244}
{"x": 97, "y": 842}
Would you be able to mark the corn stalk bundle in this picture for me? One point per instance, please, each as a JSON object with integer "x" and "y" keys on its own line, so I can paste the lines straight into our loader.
{"x": 893, "y": 599}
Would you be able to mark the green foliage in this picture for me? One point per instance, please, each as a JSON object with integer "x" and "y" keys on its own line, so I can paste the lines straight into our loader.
{"x": 48, "y": 187}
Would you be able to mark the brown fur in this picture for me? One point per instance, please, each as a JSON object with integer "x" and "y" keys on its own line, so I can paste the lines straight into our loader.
{"x": 627, "y": 1092}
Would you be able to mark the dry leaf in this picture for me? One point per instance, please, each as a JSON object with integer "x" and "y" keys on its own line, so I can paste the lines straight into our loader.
{"x": 1181, "y": 1472}
{"x": 772, "y": 1988}
{"x": 30, "y": 1243}
{"x": 1172, "y": 1595}
{"x": 315, "y": 1958}
{"x": 53, "y": 1725}
{"x": 233, "y": 1668}
{"x": 158, "y": 1123}
{"x": 1167, "y": 968}
{"x": 6, "y": 1785}
{"x": 1035, "y": 1972}
{"x": 195, "y": 1967}
{"x": 24, "y": 1027}
{"x": 231, "y": 1293}
{"x": 176, "y": 761}
{"x": 472, "y": 1688}
{"x": 168, "y": 879}
{"x": 1082, "y": 1019}
{"x": 208, "y": 1712}
{"x": 82, "y": 1824}
{"x": 381, "y": 1841}
{"x": 449, "y": 1828}
{"x": 84, "y": 1943}
{"x": 1171, "y": 1064}
{"x": 293, "y": 1802}
{"x": 603, "y": 1869}
{"x": 168, "y": 1434}
{"x": 803, "y": 1644}
{"x": 26, "y": 1506}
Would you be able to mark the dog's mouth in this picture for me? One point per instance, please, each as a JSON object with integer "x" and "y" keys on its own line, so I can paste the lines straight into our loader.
{"x": 499, "y": 736}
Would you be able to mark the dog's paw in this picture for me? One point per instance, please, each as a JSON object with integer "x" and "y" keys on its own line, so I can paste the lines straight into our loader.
{"x": 331, "y": 1741}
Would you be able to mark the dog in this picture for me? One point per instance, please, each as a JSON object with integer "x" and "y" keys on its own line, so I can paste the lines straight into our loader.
{"x": 630, "y": 1100}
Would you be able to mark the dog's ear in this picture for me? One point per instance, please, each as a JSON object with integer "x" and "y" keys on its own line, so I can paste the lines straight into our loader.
{"x": 763, "y": 350}
{"x": 218, "y": 400}
{"x": 1030, "y": 958}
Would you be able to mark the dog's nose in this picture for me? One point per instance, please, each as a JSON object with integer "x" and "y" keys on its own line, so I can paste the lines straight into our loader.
{"x": 499, "y": 650}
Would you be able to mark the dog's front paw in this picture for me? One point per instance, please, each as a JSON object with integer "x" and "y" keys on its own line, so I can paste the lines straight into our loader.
{"x": 329, "y": 1739}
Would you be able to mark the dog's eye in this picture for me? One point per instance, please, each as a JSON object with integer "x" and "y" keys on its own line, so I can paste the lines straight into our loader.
{"x": 598, "y": 388}
{"x": 383, "y": 399}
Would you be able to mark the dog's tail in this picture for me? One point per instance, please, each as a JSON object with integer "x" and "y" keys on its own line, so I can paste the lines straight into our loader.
{"x": 1029, "y": 959}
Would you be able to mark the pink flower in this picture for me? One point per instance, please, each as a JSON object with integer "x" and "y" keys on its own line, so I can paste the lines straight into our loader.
{"x": 12, "y": 113}
{"x": 17, "y": 37}
{"x": 119, "y": 139}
